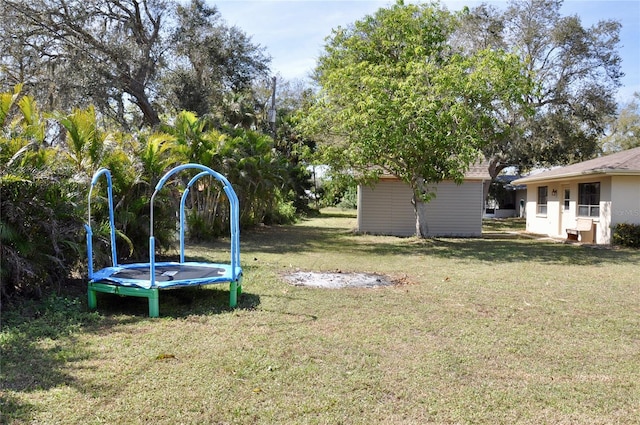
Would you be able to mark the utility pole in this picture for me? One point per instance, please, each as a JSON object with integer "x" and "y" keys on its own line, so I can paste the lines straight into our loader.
{"x": 272, "y": 109}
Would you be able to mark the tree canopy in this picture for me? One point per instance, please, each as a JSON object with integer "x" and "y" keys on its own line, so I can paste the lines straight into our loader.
{"x": 396, "y": 98}
{"x": 132, "y": 59}
{"x": 623, "y": 132}
{"x": 212, "y": 59}
{"x": 576, "y": 71}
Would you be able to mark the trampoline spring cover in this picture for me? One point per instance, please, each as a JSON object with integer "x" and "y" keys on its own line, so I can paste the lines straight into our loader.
{"x": 167, "y": 274}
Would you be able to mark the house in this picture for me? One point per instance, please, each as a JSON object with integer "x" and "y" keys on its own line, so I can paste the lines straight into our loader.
{"x": 386, "y": 208}
{"x": 593, "y": 195}
{"x": 505, "y": 199}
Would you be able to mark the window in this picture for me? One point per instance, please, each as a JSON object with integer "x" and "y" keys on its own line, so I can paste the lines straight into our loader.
{"x": 542, "y": 200}
{"x": 589, "y": 199}
{"x": 567, "y": 199}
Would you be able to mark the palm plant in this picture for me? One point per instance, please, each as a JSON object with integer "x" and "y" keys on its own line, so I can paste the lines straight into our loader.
{"x": 258, "y": 171}
{"x": 150, "y": 155}
{"x": 194, "y": 140}
{"x": 84, "y": 141}
{"x": 7, "y": 100}
{"x": 39, "y": 224}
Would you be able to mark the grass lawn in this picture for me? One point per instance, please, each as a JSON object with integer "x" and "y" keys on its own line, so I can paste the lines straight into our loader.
{"x": 477, "y": 331}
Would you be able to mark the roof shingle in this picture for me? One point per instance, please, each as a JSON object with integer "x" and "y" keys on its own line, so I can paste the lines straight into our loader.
{"x": 625, "y": 162}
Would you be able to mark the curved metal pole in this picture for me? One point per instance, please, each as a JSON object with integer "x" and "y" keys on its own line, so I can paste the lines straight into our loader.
{"x": 234, "y": 218}
{"x": 112, "y": 226}
{"x": 182, "y": 212}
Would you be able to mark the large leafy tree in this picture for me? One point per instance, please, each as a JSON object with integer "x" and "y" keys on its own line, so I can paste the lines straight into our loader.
{"x": 133, "y": 59}
{"x": 396, "y": 98}
{"x": 104, "y": 51}
{"x": 624, "y": 131}
{"x": 577, "y": 73}
{"x": 212, "y": 59}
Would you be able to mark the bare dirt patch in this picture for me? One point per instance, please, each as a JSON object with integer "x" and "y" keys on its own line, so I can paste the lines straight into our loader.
{"x": 337, "y": 280}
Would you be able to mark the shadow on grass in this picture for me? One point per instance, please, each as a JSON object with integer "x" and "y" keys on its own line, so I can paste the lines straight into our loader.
{"x": 497, "y": 247}
{"x": 284, "y": 239}
{"x": 510, "y": 250}
{"x": 178, "y": 303}
{"x": 38, "y": 339}
{"x": 36, "y": 344}
{"x": 503, "y": 224}
{"x": 338, "y": 213}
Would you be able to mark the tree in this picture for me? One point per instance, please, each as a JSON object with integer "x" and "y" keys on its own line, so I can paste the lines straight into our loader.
{"x": 132, "y": 59}
{"x": 395, "y": 98}
{"x": 290, "y": 100}
{"x": 624, "y": 131}
{"x": 104, "y": 50}
{"x": 39, "y": 236}
{"x": 576, "y": 70}
{"x": 213, "y": 59}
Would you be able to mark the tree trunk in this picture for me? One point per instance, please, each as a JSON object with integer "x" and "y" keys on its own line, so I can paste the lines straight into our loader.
{"x": 420, "y": 208}
{"x": 137, "y": 90}
{"x": 495, "y": 167}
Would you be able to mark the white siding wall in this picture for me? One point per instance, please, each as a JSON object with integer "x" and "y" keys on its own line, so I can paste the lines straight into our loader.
{"x": 603, "y": 223}
{"x": 387, "y": 209}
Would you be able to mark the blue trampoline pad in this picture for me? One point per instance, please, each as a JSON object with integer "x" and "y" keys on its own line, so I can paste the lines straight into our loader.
{"x": 167, "y": 274}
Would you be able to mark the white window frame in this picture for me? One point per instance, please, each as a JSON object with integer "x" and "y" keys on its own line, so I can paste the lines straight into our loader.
{"x": 541, "y": 208}
{"x": 588, "y": 207}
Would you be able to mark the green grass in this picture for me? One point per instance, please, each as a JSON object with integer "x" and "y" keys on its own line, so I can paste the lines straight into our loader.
{"x": 480, "y": 331}
{"x": 514, "y": 224}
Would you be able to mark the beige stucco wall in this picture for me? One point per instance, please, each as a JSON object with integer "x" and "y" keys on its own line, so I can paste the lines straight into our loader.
{"x": 625, "y": 196}
{"x": 619, "y": 196}
{"x": 386, "y": 209}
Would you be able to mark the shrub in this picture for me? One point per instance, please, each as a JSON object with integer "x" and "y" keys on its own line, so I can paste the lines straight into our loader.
{"x": 339, "y": 190}
{"x": 625, "y": 234}
{"x": 349, "y": 198}
{"x": 40, "y": 236}
{"x": 283, "y": 210}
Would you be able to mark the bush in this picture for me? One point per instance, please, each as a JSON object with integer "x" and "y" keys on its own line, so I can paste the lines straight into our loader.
{"x": 339, "y": 190}
{"x": 625, "y": 234}
{"x": 283, "y": 211}
{"x": 40, "y": 235}
{"x": 45, "y": 176}
{"x": 349, "y": 198}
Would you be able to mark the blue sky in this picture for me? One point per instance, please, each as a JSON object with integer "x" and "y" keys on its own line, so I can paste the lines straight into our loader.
{"x": 293, "y": 31}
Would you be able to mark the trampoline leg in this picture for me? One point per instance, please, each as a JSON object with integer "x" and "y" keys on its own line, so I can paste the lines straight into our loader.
{"x": 154, "y": 303}
{"x": 233, "y": 293}
{"x": 93, "y": 300}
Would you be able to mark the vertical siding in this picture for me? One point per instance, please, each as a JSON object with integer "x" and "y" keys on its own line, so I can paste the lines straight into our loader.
{"x": 603, "y": 222}
{"x": 625, "y": 200}
{"x": 456, "y": 210}
{"x": 387, "y": 209}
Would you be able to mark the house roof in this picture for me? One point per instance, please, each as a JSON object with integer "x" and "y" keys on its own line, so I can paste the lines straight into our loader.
{"x": 506, "y": 180}
{"x": 620, "y": 163}
{"x": 477, "y": 171}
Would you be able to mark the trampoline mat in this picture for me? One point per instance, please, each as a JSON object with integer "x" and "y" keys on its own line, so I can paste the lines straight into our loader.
{"x": 168, "y": 273}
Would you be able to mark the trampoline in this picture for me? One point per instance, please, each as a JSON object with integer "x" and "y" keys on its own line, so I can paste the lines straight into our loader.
{"x": 147, "y": 279}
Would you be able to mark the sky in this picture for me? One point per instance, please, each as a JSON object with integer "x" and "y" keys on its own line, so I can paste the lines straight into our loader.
{"x": 293, "y": 31}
